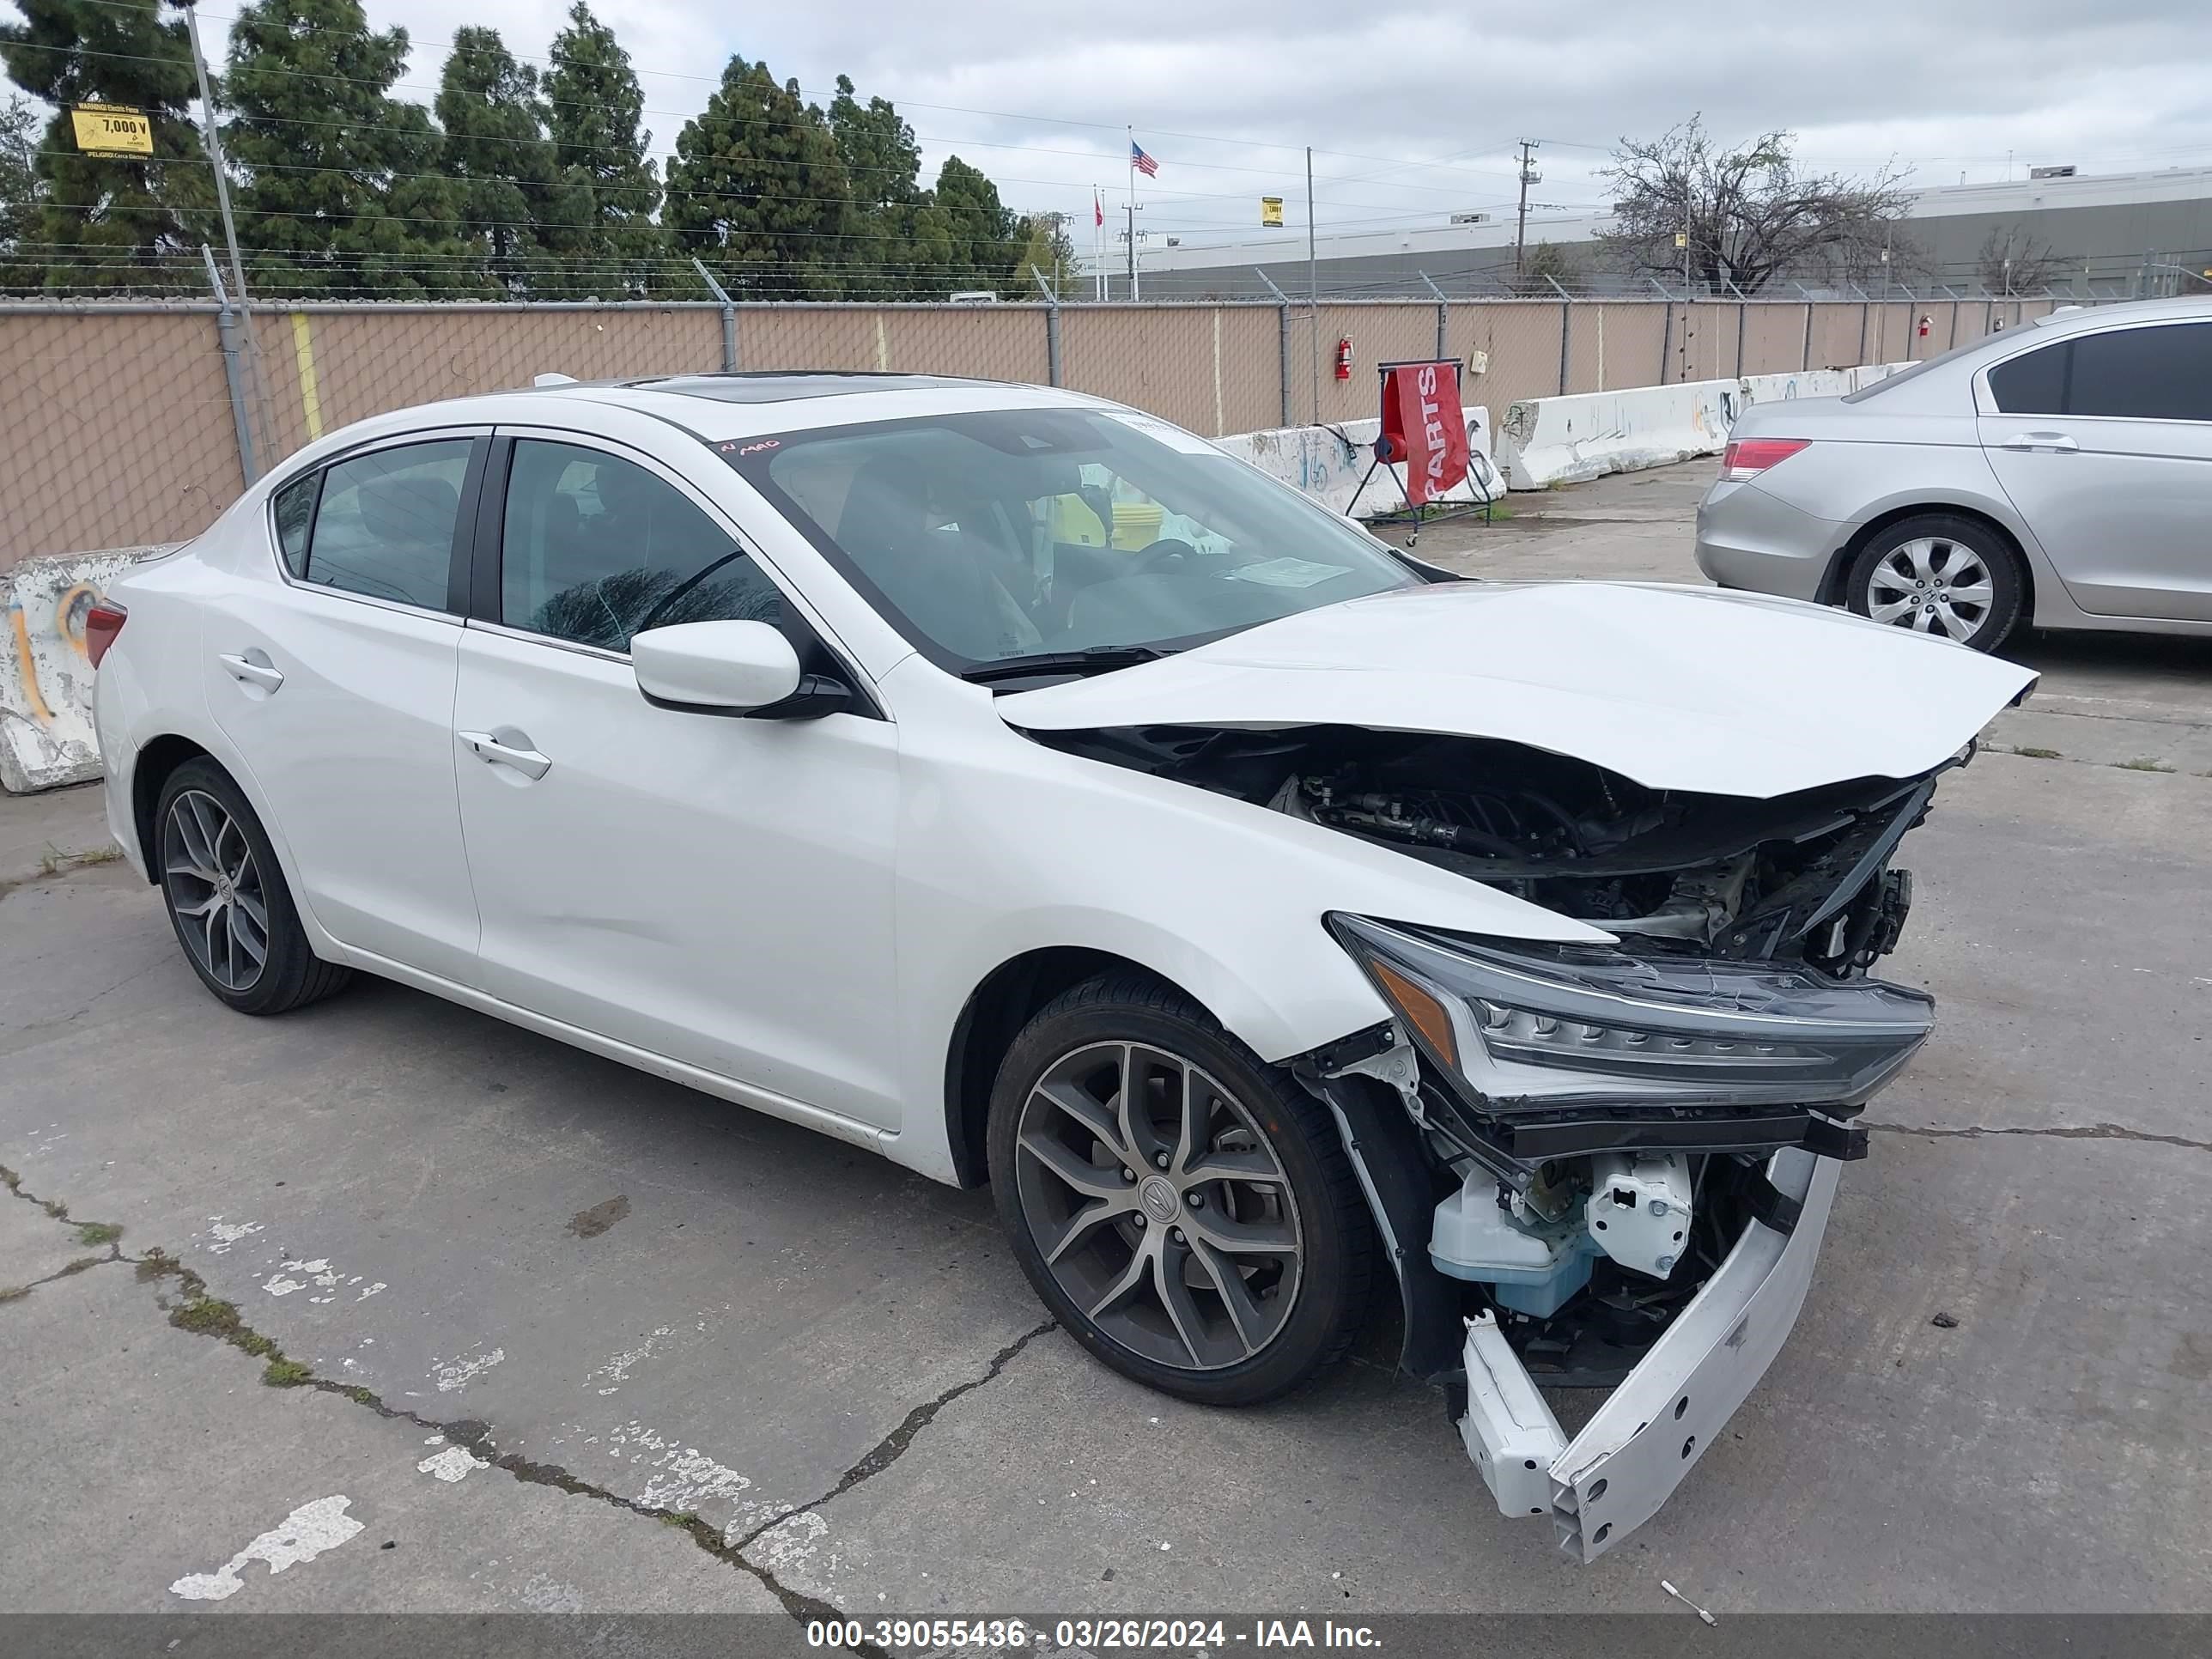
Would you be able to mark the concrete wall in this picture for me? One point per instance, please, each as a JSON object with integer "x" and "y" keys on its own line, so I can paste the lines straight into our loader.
{"x": 45, "y": 683}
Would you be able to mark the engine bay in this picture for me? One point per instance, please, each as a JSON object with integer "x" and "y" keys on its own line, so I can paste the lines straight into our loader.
{"x": 1801, "y": 877}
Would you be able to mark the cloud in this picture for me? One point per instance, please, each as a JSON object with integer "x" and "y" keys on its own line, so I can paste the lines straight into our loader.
{"x": 1412, "y": 109}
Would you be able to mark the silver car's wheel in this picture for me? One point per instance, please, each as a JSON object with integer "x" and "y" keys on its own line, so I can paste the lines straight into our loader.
{"x": 1931, "y": 584}
{"x": 1160, "y": 1205}
{"x": 214, "y": 883}
{"x": 1945, "y": 575}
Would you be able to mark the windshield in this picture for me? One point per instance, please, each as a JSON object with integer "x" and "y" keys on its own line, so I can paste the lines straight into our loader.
{"x": 1018, "y": 532}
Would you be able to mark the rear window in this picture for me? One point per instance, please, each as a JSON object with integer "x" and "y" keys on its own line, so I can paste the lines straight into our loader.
{"x": 2034, "y": 384}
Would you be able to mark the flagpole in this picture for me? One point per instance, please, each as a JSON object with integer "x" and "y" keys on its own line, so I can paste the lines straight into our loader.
{"x": 1131, "y": 159}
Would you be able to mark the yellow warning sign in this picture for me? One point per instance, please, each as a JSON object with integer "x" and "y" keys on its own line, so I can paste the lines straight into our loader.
{"x": 112, "y": 129}
{"x": 1271, "y": 211}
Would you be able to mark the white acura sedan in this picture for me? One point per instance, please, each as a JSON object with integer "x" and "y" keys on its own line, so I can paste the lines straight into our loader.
{"x": 1017, "y": 785}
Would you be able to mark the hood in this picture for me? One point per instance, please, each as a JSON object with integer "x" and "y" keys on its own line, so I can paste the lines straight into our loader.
{"x": 1677, "y": 687}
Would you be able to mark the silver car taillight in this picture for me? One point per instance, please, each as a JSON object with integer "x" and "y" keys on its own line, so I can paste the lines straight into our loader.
{"x": 1746, "y": 458}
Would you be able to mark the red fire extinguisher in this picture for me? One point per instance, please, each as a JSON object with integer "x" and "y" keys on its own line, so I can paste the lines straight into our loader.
{"x": 1343, "y": 359}
{"x": 1923, "y": 327}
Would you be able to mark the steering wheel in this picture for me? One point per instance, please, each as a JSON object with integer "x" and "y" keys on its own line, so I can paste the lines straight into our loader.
{"x": 1165, "y": 551}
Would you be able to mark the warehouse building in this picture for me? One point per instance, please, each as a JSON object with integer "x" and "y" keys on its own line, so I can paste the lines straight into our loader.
{"x": 2088, "y": 235}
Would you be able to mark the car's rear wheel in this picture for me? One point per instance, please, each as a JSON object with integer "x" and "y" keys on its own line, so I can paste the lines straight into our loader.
{"x": 226, "y": 899}
{"x": 1940, "y": 573}
{"x": 1186, "y": 1210}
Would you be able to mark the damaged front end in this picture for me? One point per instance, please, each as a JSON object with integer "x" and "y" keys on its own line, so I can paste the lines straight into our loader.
{"x": 1604, "y": 1164}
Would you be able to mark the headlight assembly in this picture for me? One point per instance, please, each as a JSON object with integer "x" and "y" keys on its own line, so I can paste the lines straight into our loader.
{"x": 1539, "y": 1026}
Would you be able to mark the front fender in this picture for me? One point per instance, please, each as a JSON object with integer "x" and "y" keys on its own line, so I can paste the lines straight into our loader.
{"x": 1396, "y": 1177}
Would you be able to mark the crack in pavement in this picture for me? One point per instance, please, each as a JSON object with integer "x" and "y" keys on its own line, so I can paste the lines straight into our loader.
{"x": 893, "y": 1446}
{"x": 59, "y": 865}
{"x": 2064, "y": 1132}
{"x": 191, "y": 1314}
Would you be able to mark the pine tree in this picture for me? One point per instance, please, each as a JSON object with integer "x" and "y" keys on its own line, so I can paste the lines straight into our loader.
{"x": 112, "y": 221}
{"x": 884, "y": 164}
{"x": 22, "y": 267}
{"x": 987, "y": 239}
{"x": 340, "y": 191}
{"x": 759, "y": 190}
{"x": 594, "y": 105}
{"x": 519, "y": 216}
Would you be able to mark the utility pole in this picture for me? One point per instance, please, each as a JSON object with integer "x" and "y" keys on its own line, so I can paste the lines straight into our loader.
{"x": 1528, "y": 176}
{"x": 1313, "y": 287}
{"x": 213, "y": 136}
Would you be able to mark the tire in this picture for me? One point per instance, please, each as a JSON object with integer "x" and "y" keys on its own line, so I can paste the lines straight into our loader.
{"x": 225, "y": 894}
{"x": 1940, "y": 573}
{"x": 1235, "y": 1286}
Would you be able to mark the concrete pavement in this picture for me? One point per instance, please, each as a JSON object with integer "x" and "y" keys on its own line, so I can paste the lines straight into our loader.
{"x": 681, "y": 1357}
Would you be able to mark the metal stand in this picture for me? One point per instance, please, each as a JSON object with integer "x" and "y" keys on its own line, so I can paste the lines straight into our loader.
{"x": 1430, "y": 512}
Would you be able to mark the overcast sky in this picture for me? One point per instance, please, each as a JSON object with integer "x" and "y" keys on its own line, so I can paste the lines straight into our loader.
{"x": 1413, "y": 110}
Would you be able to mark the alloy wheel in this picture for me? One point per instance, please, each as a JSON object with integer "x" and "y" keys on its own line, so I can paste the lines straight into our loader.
{"x": 1158, "y": 1205}
{"x": 1931, "y": 583}
{"x": 213, "y": 884}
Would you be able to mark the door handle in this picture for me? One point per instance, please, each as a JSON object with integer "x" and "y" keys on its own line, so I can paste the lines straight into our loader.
{"x": 253, "y": 668}
{"x": 518, "y": 754}
{"x": 2057, "y": 442}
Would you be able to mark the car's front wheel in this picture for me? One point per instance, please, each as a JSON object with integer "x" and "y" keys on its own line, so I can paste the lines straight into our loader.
{"x": 226, "y": 899}
{"x": 1186, "y": 1210}
{"x": 1941, "y": 574}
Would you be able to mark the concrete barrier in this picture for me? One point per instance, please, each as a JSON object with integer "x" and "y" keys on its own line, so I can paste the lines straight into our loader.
{"x": 1328, "y": 463}
{"x": 1814, "y": 382}
{"x": 1543, "y": 442}
{"x": 46, "y": 676}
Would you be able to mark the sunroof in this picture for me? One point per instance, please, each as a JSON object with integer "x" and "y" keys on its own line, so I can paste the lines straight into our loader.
{"x": 776, "y": 388}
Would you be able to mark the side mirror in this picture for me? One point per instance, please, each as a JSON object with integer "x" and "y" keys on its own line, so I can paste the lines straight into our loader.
{"x": 722, "y": 667}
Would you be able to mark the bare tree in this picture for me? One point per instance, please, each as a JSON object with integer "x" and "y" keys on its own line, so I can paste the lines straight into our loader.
{"x": 2013, "y": 262}
{"x": 1750, "y": 215}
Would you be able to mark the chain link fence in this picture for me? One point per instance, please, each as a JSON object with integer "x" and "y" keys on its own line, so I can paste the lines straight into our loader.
{"x": 124, "y": 422}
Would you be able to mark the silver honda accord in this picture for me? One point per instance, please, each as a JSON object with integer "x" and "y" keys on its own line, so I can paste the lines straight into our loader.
{"x": 2059, "y": 473}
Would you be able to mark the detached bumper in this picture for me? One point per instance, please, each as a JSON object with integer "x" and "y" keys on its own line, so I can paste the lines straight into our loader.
{"x": 1614, "y": 1476}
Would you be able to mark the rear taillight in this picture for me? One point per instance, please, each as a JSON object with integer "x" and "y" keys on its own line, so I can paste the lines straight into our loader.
{"x": 101, "y": 624}
{"x": 1748, "y": 458}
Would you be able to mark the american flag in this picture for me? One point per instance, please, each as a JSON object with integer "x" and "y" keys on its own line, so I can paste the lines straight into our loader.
{"x": 1142, "y": 163}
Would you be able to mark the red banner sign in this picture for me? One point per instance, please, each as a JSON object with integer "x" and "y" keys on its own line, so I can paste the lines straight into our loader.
{"x": 1424, "y": 426}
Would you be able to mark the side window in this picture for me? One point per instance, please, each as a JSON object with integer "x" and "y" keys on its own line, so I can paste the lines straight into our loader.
{"x": 595, "y": 548}
{"x": 296, "y": 515}
{"x": 384, "y": 526}
{"x": 2161, "y": 373}
{"x": 2034, "y": 384}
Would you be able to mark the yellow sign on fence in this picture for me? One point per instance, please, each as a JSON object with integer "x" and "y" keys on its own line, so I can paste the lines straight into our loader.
{"x": 112, "y": 129}
{"x": 1271, "y": 211}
